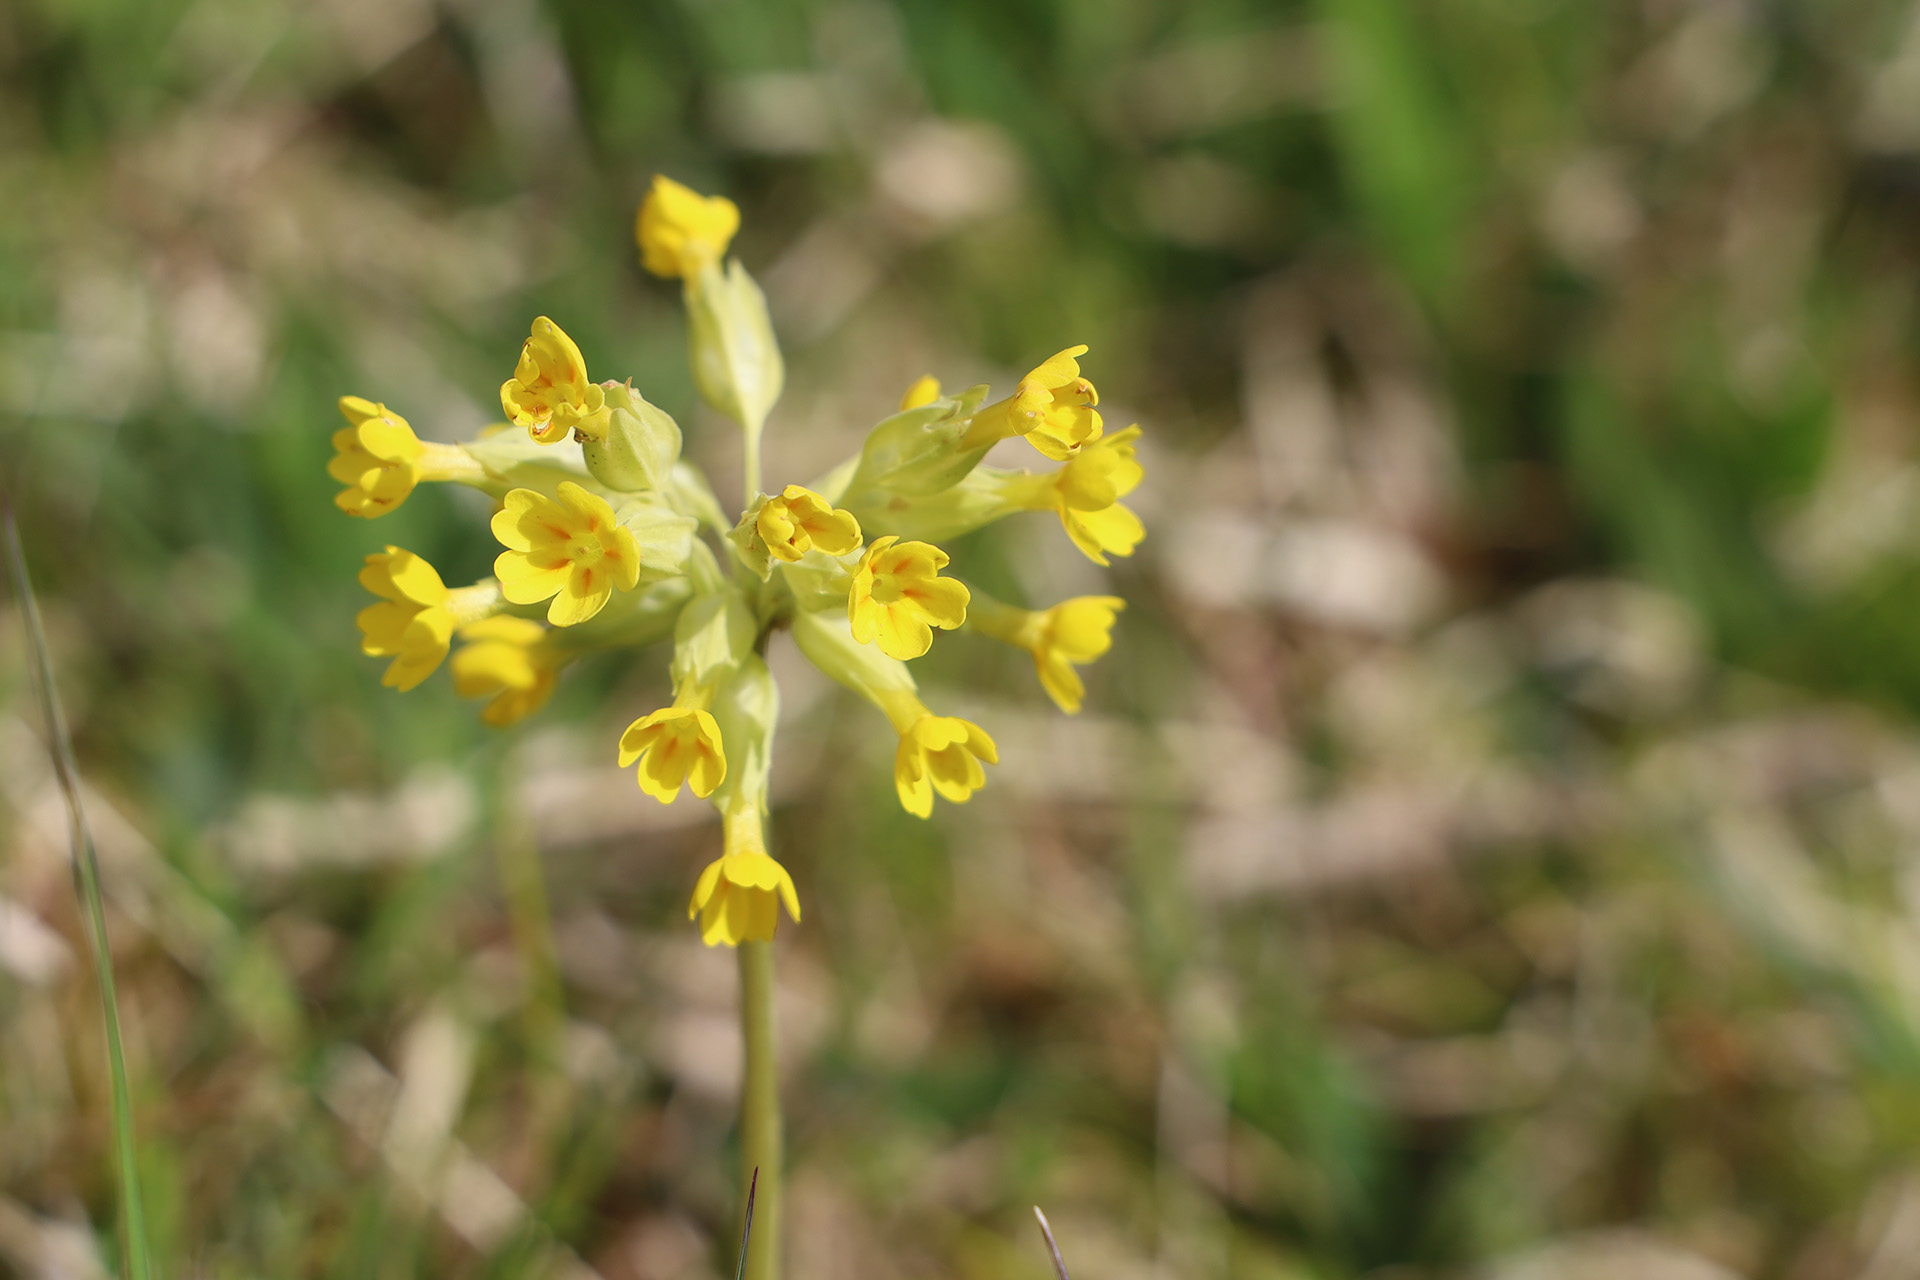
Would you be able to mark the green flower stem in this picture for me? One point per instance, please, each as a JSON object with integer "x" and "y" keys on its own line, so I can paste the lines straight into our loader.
{"x": 760, "y": 1110}
{"x": 750, "y": 463}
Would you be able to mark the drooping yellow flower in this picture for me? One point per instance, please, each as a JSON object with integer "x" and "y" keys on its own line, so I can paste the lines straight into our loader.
{"x": 571, "y": 550}
{"x": 376, "y": 456}
{"x": 800, "y": 520}
{"x": 680, "y": 230}
{"x": 379, "y": 459}
{"x": 511, "y": 659}
{"x": 549, "y": 393}
{"x": 1072, "y": 633}
{"x": 925, "y": 390}
{"x": 898, "y": 597}
{"x": 675, "y": 745}
{"x": 1086, "y": 494}
{"x": 739, "y": 895}
{"x": 411, "y": 624}
{"x": 414, "y": 622}
{"x": 940, "y": 753}
{"x": 1053, "y": 407}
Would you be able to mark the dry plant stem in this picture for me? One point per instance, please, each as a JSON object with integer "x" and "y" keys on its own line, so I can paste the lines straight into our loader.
{"x": 760, "y": 1141}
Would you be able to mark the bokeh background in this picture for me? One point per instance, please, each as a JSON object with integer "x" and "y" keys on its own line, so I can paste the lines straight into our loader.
{"x": 1492, "y": 847}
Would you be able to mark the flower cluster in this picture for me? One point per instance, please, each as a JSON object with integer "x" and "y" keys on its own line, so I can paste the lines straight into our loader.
{"x": 610, "y": 540}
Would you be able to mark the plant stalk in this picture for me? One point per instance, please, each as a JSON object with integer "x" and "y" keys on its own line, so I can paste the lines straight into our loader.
{"x": 750, "y": 463}
{"x": 138, "y": 1259}
{"x": 760, "y": 1141}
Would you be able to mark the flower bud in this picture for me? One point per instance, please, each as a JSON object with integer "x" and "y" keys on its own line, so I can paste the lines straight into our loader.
{"x": 736, "y": 359}
{"x": 640, "y": 446}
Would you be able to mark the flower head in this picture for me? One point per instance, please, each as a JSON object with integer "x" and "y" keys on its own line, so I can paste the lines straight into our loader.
{"x": 739, "y": 895}
{"x": 549, "y": 393}
{"x": 940, "y": 753}
{"x": 680, "y": 230}
{"x": 898, "y": 597}
{"x": 571, "y": 550}
{"x": 376, "y": 456}
{"x": 675, "y": 745}
{"x": 412, "y": 623}
{"x": 800, "y": 520}
{"x": 511, "y": 659}
{"x": 1086, "y": 493}
{"x": 1072, "y": 633}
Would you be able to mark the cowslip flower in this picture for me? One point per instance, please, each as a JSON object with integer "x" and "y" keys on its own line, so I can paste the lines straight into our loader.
{"x": 675, "y": 746}
{"x": 739, "y": 895}
{"x": 680, "y": 231}
{"x": 586, "y": 520}
{"x": 549, "y": 393}
{"x": 1086, "y": 494}
{"x": 1071, "y": 633}
{"x": 898, "y": 596}
{"x": 800, "y": 520}
{"x": 570, "y": 550}
{"x": 414, "y": 621}
{"x": 1053, "y": 407}
{"x": 376, "y": 456}
{"x": 510, "y": 660}
{"x": 380, "y": 460}
{"x": 936, "y": 754}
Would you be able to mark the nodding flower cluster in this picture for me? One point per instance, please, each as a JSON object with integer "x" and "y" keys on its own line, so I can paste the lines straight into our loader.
{"x": 611, "y": 540}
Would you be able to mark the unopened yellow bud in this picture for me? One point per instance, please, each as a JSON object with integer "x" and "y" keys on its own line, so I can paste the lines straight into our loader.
{"x": 571, "y": 550}
{"x": 549, "y": 393}
{"x": 925, "y": 390}
{"x": 898, "y": 597}
{"x": 680, "y": 230}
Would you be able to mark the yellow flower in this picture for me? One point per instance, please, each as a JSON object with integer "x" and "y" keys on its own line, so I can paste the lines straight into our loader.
{"x": 1087, "y": 491}
{"x": 1052, "y": 407}
{"x": 680, "y": 230}
{"x": 380, "y": 460}
{"x": 548, "y": 393}
{"x": 940, "y": 753}
{"x": 675, "y": 745}
{"x": 925, "y": 390}
{"x": 571, "y": 550}
{"x": 897, "y": 597}
{"x": 739, "y": 895}
{"x": 414, "y": 621}
{"x": 376, "y": 456}
{"x": 1072, "y": 633}
{"x": 800, "y": 520}
{"x": 510, "y": 659}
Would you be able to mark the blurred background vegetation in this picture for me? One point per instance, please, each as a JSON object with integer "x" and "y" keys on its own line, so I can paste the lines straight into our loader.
{"x": 1492, "y": 847}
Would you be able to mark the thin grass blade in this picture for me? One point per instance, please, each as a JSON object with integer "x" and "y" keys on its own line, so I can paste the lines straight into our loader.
{"x": 1059, "y": 1263}
{"x": 86, "y": 880}
{"x": 746, "y": 1232}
